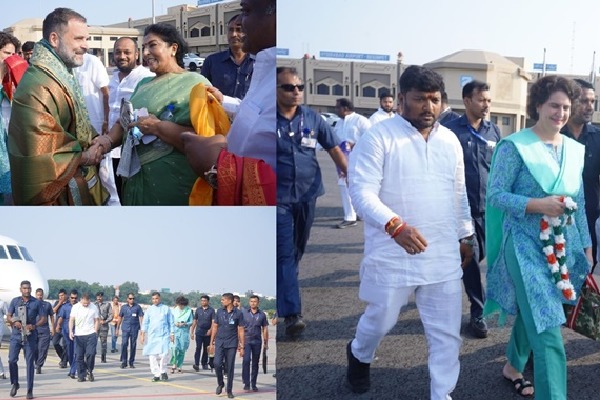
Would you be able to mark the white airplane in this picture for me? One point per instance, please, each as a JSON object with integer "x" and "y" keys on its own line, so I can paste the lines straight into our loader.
{"x": 16, "y": 265}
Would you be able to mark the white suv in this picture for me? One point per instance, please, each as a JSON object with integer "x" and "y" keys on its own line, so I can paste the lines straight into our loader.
{"x": 192, "y": 61}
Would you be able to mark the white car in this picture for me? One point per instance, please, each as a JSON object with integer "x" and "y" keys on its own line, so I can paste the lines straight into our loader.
{"x": 330, "y": 118}
{"x": 192, "y": 61}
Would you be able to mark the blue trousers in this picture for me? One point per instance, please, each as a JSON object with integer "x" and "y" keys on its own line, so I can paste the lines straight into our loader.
{"x": 60, "y": 349}
{"x": 294, "y": 222}
{"x": 43, "y": 346}
{"x": 472, "y": 273}
{"x": 70, "y": 347}
{"x": 251, "y": 358}
{"x": 113, "y": 336}
{"x": 222, "y": 355}
{"x": 128, "y": 337}
{"x": 86, "y": 353}
{"x": 30, "y": 349}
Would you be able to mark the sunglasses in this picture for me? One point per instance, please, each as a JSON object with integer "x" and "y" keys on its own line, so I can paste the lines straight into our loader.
{"x": 73, "y": 298}
{"x": 130, "y": 298}
{"x": 288, "y": 87}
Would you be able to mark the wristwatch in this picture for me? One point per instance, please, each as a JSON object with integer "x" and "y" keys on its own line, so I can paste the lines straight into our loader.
{"x": 469, "y": 241}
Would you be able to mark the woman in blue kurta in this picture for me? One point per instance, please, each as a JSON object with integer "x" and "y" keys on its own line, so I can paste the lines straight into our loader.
{"x": 532, "y": 172}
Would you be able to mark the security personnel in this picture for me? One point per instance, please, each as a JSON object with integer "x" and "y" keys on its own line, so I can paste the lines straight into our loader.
{"x": 30, "y": 344}
{"x": 64, "y": 314}
{"x": 106, "y": 316}
{"x": 130, "y": 322}
{"x": 45, "y": 331}
{"x": 299, "y": 183}
{"x": 478, "y": 137}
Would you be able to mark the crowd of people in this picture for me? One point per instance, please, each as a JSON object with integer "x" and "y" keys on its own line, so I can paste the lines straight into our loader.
{"x": 74, "y": 324}
{"x": 517, "y": 202}
{"x": 154, "y": 133}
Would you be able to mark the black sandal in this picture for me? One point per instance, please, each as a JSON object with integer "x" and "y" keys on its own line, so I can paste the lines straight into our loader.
{"x": 519, "y": 385}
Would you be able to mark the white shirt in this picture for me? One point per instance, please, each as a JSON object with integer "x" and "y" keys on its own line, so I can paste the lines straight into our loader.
{"x": 122, "y": 89}
{"x": 351, "y": 127}
{"x": 85, "y": 319}
{"x": 380, "y": 115}
{"x": 3, "y": 312}
{"x": 92, "y": 76}
{"x": 253, "y": 132}
{"x": 394, "y": 171}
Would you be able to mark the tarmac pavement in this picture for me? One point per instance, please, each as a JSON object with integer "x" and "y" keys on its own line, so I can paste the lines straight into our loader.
{"x": 113, "y": 383}
{"x": 314, "y": 365}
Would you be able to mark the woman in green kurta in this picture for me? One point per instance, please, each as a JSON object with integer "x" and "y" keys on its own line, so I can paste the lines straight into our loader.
{"x": 164, "y": 176}
{"x": 183, "y": 317}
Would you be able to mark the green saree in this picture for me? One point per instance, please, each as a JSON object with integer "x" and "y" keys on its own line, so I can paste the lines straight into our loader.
{"x": 165, "y": 177}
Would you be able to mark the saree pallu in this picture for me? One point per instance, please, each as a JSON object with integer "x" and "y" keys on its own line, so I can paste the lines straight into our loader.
{"x": 165, "y": 177}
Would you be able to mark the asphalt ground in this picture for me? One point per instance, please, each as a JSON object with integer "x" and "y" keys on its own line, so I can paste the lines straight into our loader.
{"x": 113, "y": 383}
{"x": 314, "y": 365}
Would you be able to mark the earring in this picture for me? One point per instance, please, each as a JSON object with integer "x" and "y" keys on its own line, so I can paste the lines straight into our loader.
{"x": 173, "y": 54}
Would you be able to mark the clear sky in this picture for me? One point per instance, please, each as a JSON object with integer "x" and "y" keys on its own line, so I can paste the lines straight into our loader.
{"x": 427, "y": 30}
{"x": 210, "y": 249}
{"x": 97, "y": 12}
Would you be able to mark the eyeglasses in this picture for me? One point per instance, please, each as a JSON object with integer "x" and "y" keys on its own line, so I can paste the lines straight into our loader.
{"x": 288, "y": 87}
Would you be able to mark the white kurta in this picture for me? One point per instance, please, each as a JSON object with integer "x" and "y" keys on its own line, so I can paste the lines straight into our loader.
{"x": 394, "y": 171}
{"x": 380, "y": 115}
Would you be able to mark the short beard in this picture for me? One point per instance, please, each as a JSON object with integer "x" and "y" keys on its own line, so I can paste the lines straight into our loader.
{"x": 63, "y": 54}
{"x": 420, "y": 126}
{"x": 126, "y": 69}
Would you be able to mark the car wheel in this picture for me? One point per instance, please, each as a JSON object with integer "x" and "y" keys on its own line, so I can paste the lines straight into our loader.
{"x": 193, "y": 66}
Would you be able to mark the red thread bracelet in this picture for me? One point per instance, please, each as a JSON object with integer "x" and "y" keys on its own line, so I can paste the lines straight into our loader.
{"x": 399, "y": 229}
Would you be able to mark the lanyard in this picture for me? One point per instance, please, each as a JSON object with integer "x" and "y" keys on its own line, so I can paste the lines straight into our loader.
{"x": 291, "y": 132}
{"x": 477, "y": 135}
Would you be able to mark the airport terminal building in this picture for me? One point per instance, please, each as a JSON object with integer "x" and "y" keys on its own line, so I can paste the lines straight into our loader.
{"x": 363, "y": 82}
{"x": 204, "y": 27}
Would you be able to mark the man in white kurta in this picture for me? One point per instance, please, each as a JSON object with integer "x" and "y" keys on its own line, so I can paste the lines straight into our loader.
{"x": 407, "y": 181}
{"x": 385, "y": 110}
{"x": 348, "y": 129}
{"x": 159, "y": 327}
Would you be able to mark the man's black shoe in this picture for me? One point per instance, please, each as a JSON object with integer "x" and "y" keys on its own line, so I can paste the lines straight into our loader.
{"x": 131, "y": 365}
{"x": 123, "y": 365}
{"x": 478, "y": 327}
{"x": 246, "y": 387}
{"x": 196, "y": 368}
{"x": 81, "y": 379}
{"x": 219, "y": 389}
{"x": 113, "y": 350}
{"x": 29, "y": 395}
{"x": 72, "y": 376}
{"x": 156, "y": 379}
{"x": 164, "y": 377}
{"x": 38, "y": 370}
{"x": 91, "y": 377}
{"x": 62, "y": 364}
{"x": 230, "y": 395}
{"x": 358, "y": 373}
{"x": 254, "y": 389}
{"x": 13, "y": 391}
{"x": 294, "y": 325}
{"x": 204, "y": 366}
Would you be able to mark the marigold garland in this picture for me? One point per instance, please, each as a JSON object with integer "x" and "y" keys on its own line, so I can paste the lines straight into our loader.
{"x": 553, "y": 241}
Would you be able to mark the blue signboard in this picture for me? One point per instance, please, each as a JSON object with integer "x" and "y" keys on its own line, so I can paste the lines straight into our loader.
{"x": 283, "y": 52}
{"x": 540, "y": 67}
{"x": 204, "y": 2}
{"x": 356, "y": 56}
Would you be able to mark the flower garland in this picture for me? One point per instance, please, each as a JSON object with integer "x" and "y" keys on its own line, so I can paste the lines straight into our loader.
{"x": 555, "y": 249}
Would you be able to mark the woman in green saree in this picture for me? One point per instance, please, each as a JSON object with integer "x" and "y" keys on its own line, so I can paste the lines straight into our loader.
{"x": 183, "y": 317}
{"x": 158, "y": 172}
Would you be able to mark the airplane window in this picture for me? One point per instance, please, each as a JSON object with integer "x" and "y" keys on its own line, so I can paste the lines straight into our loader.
{"x": 14, "y": 252}
{"x": 3, "y": 254}
{"x": 26, "y": 254}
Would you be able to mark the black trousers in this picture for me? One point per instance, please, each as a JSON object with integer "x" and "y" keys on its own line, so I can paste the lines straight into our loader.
{"x": 472, "y": 273}
{"x": 202, "y": 343}
{"x": 221, "y": 355}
